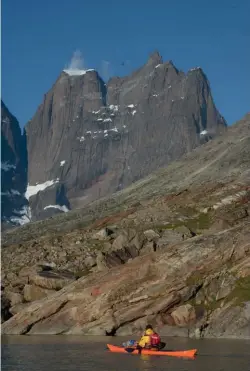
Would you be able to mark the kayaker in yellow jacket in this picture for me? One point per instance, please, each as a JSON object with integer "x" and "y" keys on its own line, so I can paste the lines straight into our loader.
{"x": 145, "y": 340}
{"x": 150, "y": 340}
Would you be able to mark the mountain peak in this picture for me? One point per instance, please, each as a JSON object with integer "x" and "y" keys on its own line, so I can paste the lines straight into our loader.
{"x": 86, "y": 133}
{"x": 155, "y": 58}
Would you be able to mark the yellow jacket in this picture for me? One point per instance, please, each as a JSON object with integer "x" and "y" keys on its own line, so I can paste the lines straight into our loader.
{"x": 145, "y": 339}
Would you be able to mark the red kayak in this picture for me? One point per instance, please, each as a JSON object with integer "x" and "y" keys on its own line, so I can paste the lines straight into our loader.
{"x": 173, "y": 353}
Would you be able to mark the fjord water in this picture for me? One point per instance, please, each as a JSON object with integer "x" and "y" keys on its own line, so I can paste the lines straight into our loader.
{"x": 64, "y": 353}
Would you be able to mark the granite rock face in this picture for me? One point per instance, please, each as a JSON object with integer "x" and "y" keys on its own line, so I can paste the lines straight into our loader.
{"x": 96, "y": 138}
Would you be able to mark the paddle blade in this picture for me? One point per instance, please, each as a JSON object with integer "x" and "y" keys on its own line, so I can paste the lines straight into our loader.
{"x": 130, "y": 350}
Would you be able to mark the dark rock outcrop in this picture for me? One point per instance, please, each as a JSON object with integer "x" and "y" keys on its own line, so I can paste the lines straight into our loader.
{"x": 14, "y": 206}
{"x": 49, "y": 202}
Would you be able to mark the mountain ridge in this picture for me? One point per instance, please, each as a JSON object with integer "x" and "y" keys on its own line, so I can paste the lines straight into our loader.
{"x": 117, "y": 130}
{"x": 89, "y": 139}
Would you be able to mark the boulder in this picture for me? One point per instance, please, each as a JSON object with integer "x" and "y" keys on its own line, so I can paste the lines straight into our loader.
{"x": 103, "y": 234}
{"x": 32, "y": 292}
{"x": 151, "y": 235}
{"x": 101, "y": 262}
{"x": 185, "y": 232}
{"x": 138, "y": 241}
{"x": 90, "y": 261}
{"x": 226, "y": 286}
{"x": 184, "y": 315}
{"x": 120, "y": 242}
{"x": 18, "y": 308}
{"x": 22, "y": 322}
{"x": 169, "y": 237}
{"x": 52, "y": 279}
{"x": 231, "y": 321}
{"x": 14, "y": 297}
{"x": 56, "y": 324}
{"x": 148, "y": 247}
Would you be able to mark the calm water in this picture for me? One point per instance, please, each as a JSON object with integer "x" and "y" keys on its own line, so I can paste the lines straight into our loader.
{"x": 54, "y": 353}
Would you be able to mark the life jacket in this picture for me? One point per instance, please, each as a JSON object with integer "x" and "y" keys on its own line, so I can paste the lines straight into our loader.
{"x": 155, "y": 339}
{"x": 144, "y": 341}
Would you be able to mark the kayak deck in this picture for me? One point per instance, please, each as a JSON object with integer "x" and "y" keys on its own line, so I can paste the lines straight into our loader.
{"x": 174, "y": 353}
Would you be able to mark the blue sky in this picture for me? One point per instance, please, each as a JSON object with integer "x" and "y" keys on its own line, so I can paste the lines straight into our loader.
{"x": 40, "y": 36}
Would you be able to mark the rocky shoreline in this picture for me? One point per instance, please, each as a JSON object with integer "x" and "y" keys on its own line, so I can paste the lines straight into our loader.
{"x": 186, "y": 283}
{"x": 176, "y": 255}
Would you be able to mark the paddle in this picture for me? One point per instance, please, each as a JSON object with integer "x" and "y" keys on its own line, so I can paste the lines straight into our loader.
{"x": 130, "y": 350}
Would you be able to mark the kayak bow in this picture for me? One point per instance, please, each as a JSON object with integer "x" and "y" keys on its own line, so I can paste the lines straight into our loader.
{"x": 174, "y": 353}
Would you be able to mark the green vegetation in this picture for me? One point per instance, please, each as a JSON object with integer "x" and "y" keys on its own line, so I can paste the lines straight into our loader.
{"x": 241, "y": 291}
{"x": 196, "y": 224}
{"x": 202, "y": 221}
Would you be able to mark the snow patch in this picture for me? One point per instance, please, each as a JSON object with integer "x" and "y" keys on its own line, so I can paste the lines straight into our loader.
{"x": 24, "y": 216}
{"x": 114, "y": 129}
{"x": 15, "y": 192}
{"x": 99, "y": 119}
{"x": 155, "y": 95}
{"x": 107, "y": 120}
{"x": 229, "y": 199}
{"x": 5, "y": 166}
{"x": 113, "y": 107}
{"x": 195, "y": 68}
{"x": 76, "y": 72}
{"x": 33, "y": 190}
{"x": 158, "y": 65}
{"x": 203, "y": 132}
{"x": 96, "y": 112}
{"x": 59, "y": 207}
{"x": 131, "y": 106}
{"x": 12, "y": 192}
{"x": 134, "y": 112}
{"x": 62, "y": 163}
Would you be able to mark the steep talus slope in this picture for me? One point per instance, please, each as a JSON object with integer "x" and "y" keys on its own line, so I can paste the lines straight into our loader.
{"x": 14, "y": 206}
{"x": 96, "y": 138}
{"x": 176, "y": 242}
